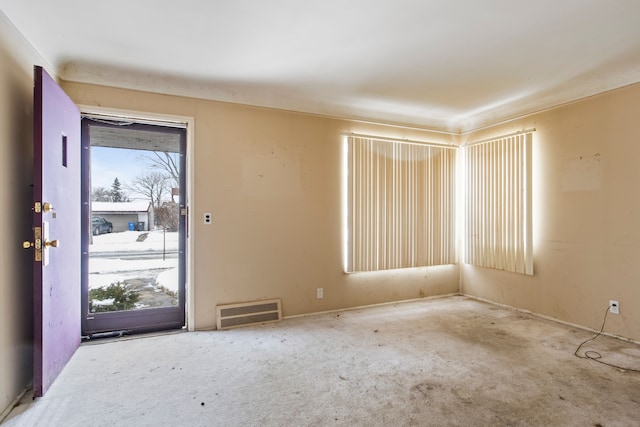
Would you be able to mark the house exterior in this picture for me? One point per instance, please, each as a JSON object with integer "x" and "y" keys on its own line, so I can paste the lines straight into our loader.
{"x": 120, "y": 214}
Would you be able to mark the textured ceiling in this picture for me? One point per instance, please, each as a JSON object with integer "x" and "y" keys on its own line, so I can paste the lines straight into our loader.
{"x": 451, "y": 65}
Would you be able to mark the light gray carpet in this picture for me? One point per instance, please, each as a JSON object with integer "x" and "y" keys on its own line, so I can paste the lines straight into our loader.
{"x": 450, "y": 361}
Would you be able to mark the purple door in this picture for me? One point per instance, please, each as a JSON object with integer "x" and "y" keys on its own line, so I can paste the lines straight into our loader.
{"x": 56, "y": 225}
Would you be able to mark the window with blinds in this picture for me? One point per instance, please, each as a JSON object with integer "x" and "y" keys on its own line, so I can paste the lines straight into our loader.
{"x": 400, "y": 199}
{"x": 498, "y": 204}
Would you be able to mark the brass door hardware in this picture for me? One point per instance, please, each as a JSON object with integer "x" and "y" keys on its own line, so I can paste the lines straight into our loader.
{"x": 51, "y": 244}
{"x": 42, "y": 207}
{"x": 36, "y": 244}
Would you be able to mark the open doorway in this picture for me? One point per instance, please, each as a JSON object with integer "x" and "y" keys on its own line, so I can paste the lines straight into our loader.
{"x": 134, "y": 226}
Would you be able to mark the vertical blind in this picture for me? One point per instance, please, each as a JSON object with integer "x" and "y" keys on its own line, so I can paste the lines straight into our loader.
{"x": 400, "y": 204}
{"x": 498, "y": 204}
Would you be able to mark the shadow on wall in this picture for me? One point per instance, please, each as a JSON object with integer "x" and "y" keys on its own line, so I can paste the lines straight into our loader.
{"x": 17, "y": 177}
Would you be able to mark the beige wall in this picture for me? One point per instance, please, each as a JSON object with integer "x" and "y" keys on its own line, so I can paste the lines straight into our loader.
{"x": 586, "y": 215}
{"x": 16, "y": 147}
{"x": 272, "y": 180}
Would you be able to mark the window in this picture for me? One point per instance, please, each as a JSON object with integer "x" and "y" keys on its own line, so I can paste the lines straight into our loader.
{"x": 400, "y": 204}
{"x": 498, "y": 204}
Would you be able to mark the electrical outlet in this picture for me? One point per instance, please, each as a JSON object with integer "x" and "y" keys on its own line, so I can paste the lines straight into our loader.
{"x": 207, "y": 218}
{"x": 614, "y": 307}
{"x": 320, "y": 293}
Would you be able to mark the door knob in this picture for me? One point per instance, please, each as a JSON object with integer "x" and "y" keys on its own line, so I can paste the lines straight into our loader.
{"x": 47, "y": 244}
{"x": 43, "y": 207}
{"x": 51, "y": 244}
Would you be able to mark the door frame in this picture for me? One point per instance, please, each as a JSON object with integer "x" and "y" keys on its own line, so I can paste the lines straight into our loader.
{"x": 168, "y": 120}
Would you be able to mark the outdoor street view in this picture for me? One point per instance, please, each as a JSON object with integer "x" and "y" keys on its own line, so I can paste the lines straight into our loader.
{"x": 133, "y": 253}
{"x": 127, "y": 270}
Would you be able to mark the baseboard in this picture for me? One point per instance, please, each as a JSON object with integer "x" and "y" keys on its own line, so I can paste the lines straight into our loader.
{"x": 382, "y": 304}
{"x": 551, "y": 319}
{"x": 4, "y": 414}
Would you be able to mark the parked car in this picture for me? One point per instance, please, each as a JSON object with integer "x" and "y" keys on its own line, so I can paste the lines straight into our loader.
{"x": 100, "y": 225}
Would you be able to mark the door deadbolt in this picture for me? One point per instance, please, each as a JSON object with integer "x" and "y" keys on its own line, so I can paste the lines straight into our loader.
{"x": 36, "y": 244}
{"x": 27, "y": 244}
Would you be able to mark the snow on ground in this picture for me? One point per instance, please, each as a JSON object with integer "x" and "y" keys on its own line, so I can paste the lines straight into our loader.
{"x": 127, "y": 241}
{"x": 169, "y": 279}
{"x": 105, "y": 271}
{"x": 113, "y": 265}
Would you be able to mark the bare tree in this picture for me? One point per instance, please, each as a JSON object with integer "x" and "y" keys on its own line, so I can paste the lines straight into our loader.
{"x": 151, "y": 185}
{"x": 115, "y": 194}
{"x": 169, "y": 163}
{"x": 168, "y": 216}
{"x": 100, "y": 194}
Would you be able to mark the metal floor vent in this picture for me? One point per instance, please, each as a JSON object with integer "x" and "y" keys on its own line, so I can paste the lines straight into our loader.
{"x": 248, "y": 313}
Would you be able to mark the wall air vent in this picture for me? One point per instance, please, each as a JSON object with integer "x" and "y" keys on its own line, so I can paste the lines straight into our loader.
{"x": 248, "y": 313}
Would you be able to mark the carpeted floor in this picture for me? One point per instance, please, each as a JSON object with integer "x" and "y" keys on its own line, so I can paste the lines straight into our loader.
{"x": 450, "y": 361}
